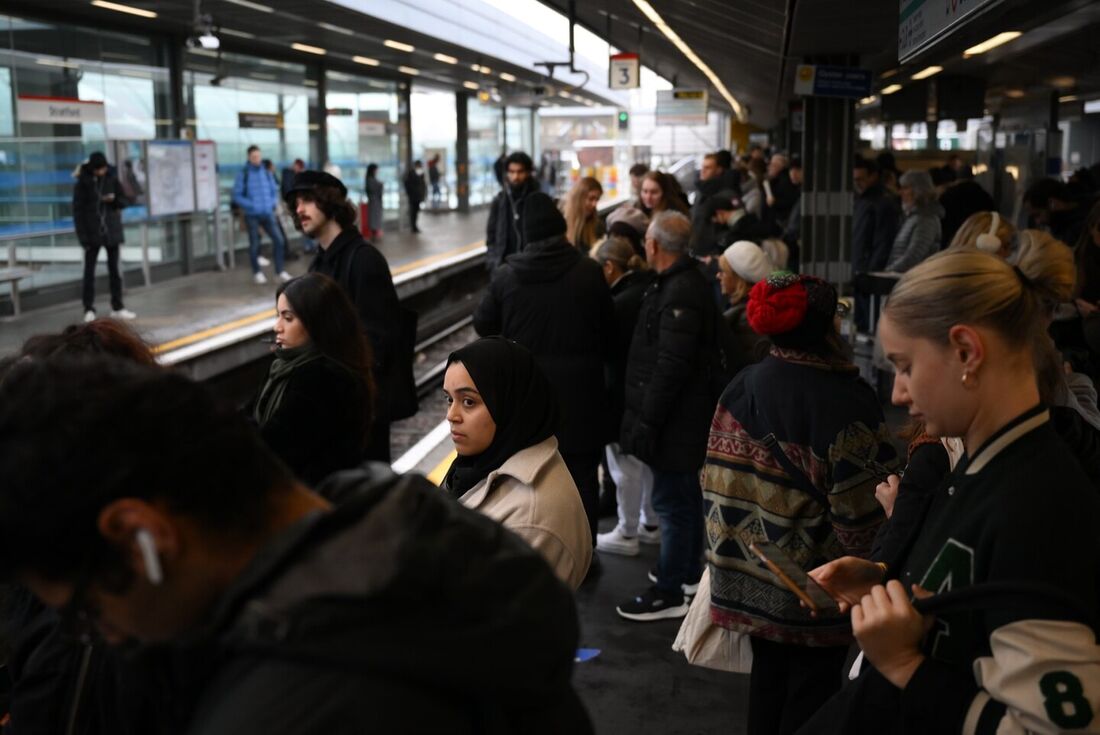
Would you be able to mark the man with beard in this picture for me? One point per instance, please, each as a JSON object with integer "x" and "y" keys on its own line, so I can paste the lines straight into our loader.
{"x": 323, "y": 212}
{"x": 504, "y": 234}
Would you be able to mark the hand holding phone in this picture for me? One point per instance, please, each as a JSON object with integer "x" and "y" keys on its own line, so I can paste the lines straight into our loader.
{"x": 108, "y": 197}
{"x": 793, "y": 577}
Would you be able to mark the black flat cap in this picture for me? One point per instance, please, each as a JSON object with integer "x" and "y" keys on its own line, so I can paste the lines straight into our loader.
{"x": 310, "y": 180}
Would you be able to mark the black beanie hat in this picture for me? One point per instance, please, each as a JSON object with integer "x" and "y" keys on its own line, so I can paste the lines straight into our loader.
{"x": 97, "y": 161}
{"x": 541, "y": 218}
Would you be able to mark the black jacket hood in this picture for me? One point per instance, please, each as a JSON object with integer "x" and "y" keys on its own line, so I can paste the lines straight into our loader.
{"x": 545, "y": 260}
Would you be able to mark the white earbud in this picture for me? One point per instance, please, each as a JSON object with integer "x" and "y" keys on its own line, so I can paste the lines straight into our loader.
{"x": 149, "y": 556}
{"x": 988, "y": 242}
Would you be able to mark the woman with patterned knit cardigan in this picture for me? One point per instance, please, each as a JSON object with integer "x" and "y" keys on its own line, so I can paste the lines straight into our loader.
{"x": 827, "y": 425}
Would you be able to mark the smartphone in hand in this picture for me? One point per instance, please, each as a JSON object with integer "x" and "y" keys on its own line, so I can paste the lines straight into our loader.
{"x": 793, "y": 577}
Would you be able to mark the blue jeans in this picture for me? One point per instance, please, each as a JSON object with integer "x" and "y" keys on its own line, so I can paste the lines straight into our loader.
{"x": 253, "y": 222}
{"x": 678, "y": 501}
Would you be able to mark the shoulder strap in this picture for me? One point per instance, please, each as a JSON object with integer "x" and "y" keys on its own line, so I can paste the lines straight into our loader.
{"x": 244, "y": 189}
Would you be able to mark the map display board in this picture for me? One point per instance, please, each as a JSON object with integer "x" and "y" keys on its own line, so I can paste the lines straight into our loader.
{"x": 171, "y": 177}
{"x": 206, "y": 176}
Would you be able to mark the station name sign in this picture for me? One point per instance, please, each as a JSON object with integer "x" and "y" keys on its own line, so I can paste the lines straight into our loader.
{"x": 832, "y": 81}
{"x": 922, "y": 23}
{"x": 59, "y": 110}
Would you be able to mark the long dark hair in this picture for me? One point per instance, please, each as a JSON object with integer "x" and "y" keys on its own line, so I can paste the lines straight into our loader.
{"x": 333, "y": 325}
{"x": 372, "y": 169}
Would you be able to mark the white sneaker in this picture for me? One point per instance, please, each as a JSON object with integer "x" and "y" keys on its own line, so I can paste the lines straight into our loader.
{"x": 264, "y": 262}
{"x": 649, "y": 537}
{"x": 259, "y": 278}
{"x": 614, "y": 542}
{"x": 284, "y": 276}
{"x": 123, "y": 314}
{"x": 89, "y": 316}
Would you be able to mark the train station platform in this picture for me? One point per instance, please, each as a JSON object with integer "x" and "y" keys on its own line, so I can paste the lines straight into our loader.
{"x": 190, "y": 317}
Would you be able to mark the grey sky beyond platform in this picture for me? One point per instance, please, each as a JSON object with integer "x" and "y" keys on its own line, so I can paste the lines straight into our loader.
{"x": 173, "y": 312}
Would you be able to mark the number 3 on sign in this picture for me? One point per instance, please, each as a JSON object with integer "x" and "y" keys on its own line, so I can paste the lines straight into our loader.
{"x": 625, "y": 71}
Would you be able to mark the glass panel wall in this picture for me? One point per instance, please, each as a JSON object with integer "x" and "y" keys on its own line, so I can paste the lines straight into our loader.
{"x": 434, "y": 131}
{"x": 118, "y": 85}
{"x": 361, "y": 119}
{"x": 519, "y": 131}
{"x": 486, "y": 123}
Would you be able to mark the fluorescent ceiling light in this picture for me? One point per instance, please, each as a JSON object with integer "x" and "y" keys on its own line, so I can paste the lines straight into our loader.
{"x": 869, "y": 100}
{"x": 307, "y": 82}
{"x": 485, "y": 70}
{"x": 1068, "y": 98}
{"x": 891, "y": 89}
{"x": 58, "y": 62}
{"x": 124, "y": 9}
{"x": 252, "y": 6}
{"x": 445, "y": 58}
{"x": 365, "y": 60}
{"x": 399, "y": 46}
{"x": 470, "y": 85}
{"x": 408, "y": 70}
{"x": 135, "y": 73}
{"x": 265, "y": 77}
{"x": 1015, "y": 94}
{"x": 238, "y": 34}
{"x": 507, "y": 77}
{"x": 671, "y": 35}
{"x": 308, "y": 49}
{"x": 1092, "y": 106}
{"x": 1063, "y": 82}
{"x": 992, "y": 43}
{"x": 336, "y": 29}
{"x": 927, "y": 72}
{"x": 888, "y": 73}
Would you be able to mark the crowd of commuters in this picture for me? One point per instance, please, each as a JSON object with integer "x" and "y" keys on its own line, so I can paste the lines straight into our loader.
{"x": 257, "y": 561}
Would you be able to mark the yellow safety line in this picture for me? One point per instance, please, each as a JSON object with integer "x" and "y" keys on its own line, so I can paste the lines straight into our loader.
{"x": 213, "y": 331}
{"x": 270, "y": 313}
{"x": 436, "y": 476}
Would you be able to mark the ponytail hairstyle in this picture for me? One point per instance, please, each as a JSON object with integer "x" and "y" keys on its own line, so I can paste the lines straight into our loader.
{"x": 972, "y": 287}
{"x": 581, "y": 229}
{"x": 981, "y": 232}
{"x": 618, "y": 250}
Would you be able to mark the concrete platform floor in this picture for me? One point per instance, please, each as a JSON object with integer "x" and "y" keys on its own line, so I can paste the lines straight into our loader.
{"x": 175, "y": 309}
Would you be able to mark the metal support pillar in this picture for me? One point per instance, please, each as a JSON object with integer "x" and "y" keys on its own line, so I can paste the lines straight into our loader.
{"x": 828, "y": 142}
{"x": 462, "y": 150}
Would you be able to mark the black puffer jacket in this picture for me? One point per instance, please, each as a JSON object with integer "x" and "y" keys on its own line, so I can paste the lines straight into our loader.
{"x": 98, "y": 222}
{"x": 555, "y": 302}
{"x": 627, "y": 296}
{"x": 504, "y": 232}
{"x": 399, "y": 611}
{"x": 669, "y": 396}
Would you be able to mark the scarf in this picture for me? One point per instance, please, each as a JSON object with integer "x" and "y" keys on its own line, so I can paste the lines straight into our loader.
{"x": 286, "y": 362}
{"x": 519, "y": 398}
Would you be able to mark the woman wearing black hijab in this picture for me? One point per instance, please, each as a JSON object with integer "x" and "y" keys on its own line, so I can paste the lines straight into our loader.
{"x": 503, "y": 418}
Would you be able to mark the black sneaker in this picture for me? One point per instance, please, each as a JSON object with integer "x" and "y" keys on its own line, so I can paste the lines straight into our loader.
{"x": 689, "y": 589}
{"x": 651, "y": 605}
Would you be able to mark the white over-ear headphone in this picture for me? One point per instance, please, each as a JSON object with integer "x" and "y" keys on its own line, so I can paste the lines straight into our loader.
{"x": 988, "y": 242}
{"x": 149, "y": 556}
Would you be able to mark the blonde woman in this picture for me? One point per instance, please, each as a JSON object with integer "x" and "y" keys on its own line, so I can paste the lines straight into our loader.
{"x": 580, "y": 213}
{"x": 742, "y": 266}
{"x": 961, "y": 329}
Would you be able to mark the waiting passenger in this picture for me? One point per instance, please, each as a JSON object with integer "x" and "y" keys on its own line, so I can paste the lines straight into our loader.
{"x": 269, "y": 609}
{"x": 733, "y": 222}
{"x": 375, "y": 211}
{"x": 742, "y": 266}
{"x": 628, "y": 276}
{"x": 637, "y": 174}
{"x": 789, "y": 457}
{"x": 1055, "y": 206}
{"x": 504, "y": 232}
{"x": 875, "y": 220}
{"x": 554, "y": 301}
{"x": 322, "y": 211}
{"x": 962, "y": 199}
{"x": 661, "y": 191}
{"x": 503, "y": 420}
{"x": 668, "y": 405}
{"x": 961, "y": 329}
{"x": 256, "y": 194}
{"x": 315, "y": 407}
{"x": 99, "y": 337}
{"x": 921, "y": 228}
{"x": 630, "y": 223}
{"x": 985, "y": 231}
{"x": 98, "y": 200}
{"x": 581, "y": 217}
{"x": 1087, "y": 257}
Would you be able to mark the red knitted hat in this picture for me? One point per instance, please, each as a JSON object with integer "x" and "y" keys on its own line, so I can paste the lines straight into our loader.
{"x": 777, "y": 304}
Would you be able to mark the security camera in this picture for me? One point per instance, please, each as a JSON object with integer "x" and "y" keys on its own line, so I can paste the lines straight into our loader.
{"x": 205, "y": 40}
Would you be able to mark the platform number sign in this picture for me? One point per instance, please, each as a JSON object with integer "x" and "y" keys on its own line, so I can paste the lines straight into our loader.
{"x": 625, "y": 71}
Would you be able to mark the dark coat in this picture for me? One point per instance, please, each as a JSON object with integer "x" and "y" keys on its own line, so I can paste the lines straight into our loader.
{"x": 626, "y": 296}
{"x": 786, "y": 193}
{"x": 415, "y": 188}
{"x": 669, "y": 401}
{"x": 959, "y": 202}
{"x": 98, "y": 222}
{"x": 399, "y": 611}
{"x": 365, "y": 276}
{"x": 875, "y": 222}
{"x": 748, "y": 227}
{"x": 750, "y": 345}
{"x": 555, "y": 302}
{"x": 322, "y": 421}
{"x": 504, "y": 232}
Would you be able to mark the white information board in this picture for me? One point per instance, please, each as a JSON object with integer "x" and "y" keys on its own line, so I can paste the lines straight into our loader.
{"x": 625, "y": 71}
{"x": 921, "y": 23}
{"x": 171, "y": 175}
{"x": 206, "y": 176}
{"x": 682, "y": 107}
